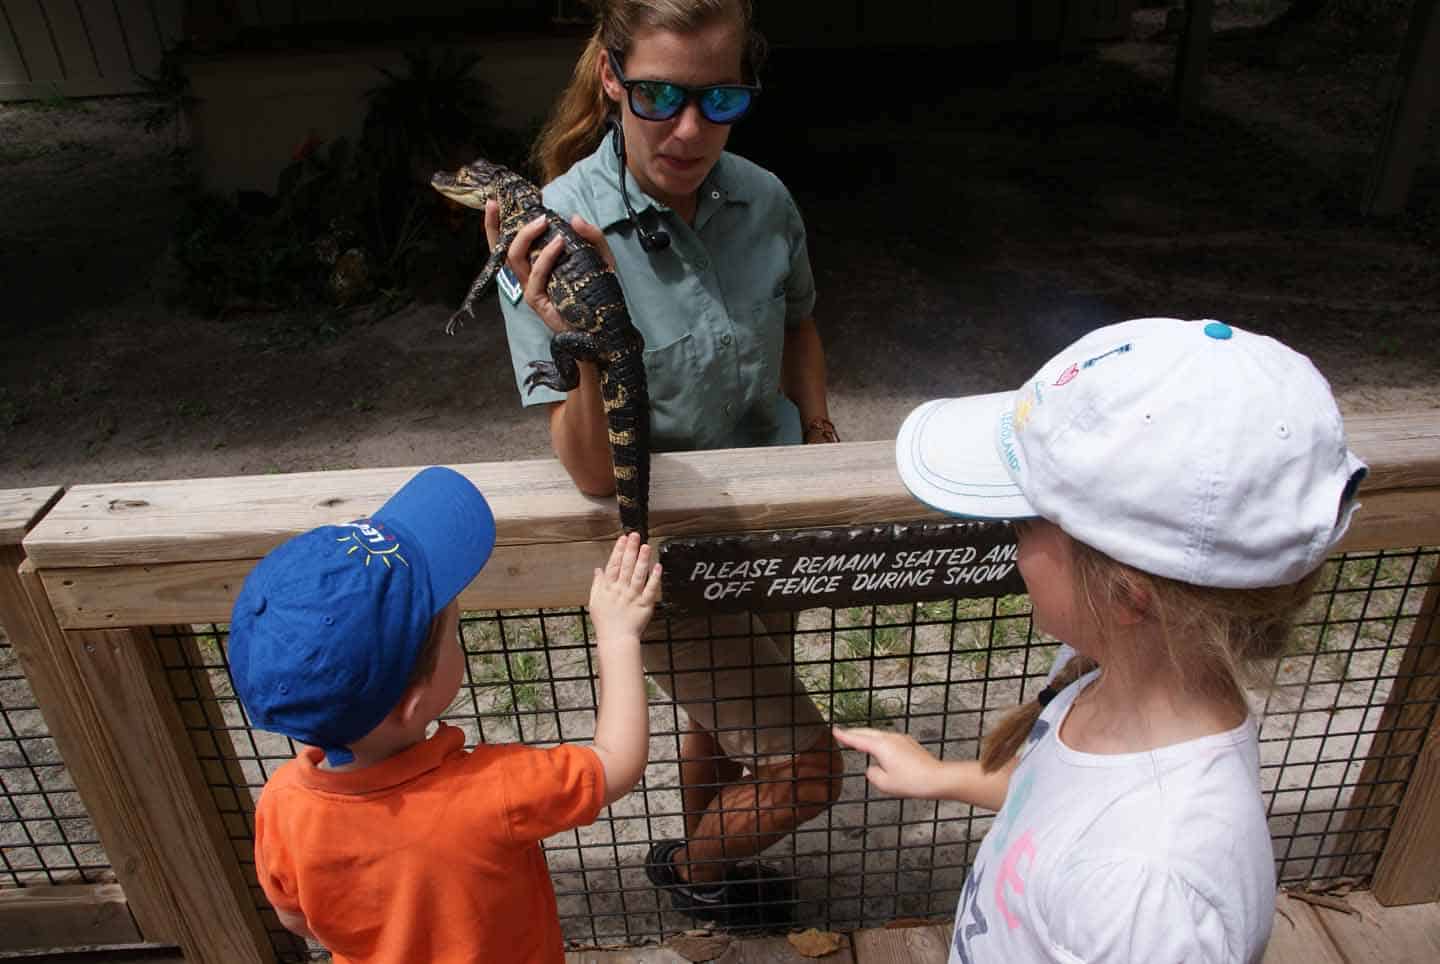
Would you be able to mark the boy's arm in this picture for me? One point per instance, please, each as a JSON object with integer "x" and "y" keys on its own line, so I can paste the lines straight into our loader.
{"x": 622, "y": 597}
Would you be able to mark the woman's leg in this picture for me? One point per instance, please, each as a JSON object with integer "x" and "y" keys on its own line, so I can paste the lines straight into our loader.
{"x": 704, "y": 768}
{"x": 736, "y": 680}
{"x": 748, "y": 815}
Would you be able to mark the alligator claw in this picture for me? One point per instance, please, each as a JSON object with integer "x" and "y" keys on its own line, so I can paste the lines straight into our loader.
{"x": 457, "y": 320}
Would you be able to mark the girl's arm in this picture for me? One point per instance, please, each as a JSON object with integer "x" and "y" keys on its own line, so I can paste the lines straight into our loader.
{"x": 622, "y": 597}
{"x": 901, "y": 767}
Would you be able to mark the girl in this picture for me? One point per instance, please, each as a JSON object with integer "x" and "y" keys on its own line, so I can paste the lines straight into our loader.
{"x": 711, "y": 252}
{"x": 1180, "y": 484}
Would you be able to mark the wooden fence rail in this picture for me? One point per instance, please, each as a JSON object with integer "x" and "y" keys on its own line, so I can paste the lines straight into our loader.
{"x": 107, "y": 562}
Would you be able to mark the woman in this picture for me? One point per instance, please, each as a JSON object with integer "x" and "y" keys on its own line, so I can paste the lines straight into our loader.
{"x": 710, "y": 251}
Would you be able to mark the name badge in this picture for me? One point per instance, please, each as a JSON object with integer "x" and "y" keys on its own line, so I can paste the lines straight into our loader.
{"x": 509, "y": 285}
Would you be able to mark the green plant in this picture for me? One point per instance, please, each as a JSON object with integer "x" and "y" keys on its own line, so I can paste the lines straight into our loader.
{"x": 170, "y": 98}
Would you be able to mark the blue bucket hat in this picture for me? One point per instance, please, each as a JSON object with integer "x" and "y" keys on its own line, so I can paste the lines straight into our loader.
{"x": 328, "y": 626}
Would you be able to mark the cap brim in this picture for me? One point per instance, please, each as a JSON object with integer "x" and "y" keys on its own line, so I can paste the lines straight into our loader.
{"x": 451, "y": 521}
{"x": 948, "y": 459}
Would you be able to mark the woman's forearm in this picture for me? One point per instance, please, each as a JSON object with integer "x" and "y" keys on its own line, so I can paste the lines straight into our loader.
{"x": 802, "y": 369}
{"x": 580, "y": 435}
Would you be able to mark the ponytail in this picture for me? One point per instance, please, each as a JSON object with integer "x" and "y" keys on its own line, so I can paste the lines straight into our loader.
{"x": 576, "y": 126}
{"x": 1003, "y": 744}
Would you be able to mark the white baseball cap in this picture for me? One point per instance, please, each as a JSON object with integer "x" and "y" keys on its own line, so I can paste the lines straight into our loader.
{"x": 1187, "y": 449}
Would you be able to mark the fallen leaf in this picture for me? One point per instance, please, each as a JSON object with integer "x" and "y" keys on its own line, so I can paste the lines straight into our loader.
{"x": 700, "y": 946}
{"x": 816, "y": 943}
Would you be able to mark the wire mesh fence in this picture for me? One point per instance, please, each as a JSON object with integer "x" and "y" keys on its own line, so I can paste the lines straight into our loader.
{"x": 46, "y": 836}
{"x": 944, "y": 672}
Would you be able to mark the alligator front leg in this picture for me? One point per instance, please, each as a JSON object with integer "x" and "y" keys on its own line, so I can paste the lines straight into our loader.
{"x": 563, "y": 374}
{"x": 493, "y": 264}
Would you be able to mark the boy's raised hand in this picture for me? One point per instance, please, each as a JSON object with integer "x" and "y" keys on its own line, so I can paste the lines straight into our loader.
{"x": 624, "y": 593}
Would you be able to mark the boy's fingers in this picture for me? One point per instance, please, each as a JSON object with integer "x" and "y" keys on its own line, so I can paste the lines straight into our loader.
{"x": 617, "y": 554}
{"x": 651, "y": 592}
{"x": 632, "y": 550}
{"x": 642, "y": 566}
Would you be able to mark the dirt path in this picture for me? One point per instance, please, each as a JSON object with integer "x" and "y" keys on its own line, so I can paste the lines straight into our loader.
{"x": 957, "y": 241}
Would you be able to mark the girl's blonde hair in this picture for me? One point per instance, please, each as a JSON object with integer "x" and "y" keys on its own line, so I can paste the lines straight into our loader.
{"x": 1209, "y": 638}
{"x": 576, "y": 125}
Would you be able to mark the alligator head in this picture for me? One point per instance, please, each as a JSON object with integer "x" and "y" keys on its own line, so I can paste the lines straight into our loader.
{"x": 473, "y": 184}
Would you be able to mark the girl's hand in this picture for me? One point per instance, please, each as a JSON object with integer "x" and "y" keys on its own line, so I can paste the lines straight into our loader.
{"x": 900, "y": 767}
{"x": 534, "y": 277}
{"x": 624, "y": 593}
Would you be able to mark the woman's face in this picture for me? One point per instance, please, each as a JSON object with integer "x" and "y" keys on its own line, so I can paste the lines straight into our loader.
{"x": 670, "y": 159}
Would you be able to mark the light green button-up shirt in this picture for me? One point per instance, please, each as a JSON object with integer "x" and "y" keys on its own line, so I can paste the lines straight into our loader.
{"x": 713, "y": 306}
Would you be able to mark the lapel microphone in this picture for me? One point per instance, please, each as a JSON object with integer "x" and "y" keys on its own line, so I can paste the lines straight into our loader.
{"x": 650, "y": 241}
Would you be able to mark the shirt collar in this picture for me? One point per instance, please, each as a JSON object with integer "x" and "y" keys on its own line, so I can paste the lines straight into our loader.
{"x": 392, "y": 772}
{"x": 610, "y": 208}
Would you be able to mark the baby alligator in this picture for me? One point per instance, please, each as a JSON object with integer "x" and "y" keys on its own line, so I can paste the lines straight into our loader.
{"x": 587, "y": 295}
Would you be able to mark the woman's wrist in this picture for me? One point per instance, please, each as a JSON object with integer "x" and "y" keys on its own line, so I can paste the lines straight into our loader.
{"x": 820, "y": 429}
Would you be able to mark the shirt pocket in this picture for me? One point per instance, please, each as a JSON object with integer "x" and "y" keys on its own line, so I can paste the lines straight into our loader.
{"x": 768, "y": 338}
{"x": 671, "y": 377}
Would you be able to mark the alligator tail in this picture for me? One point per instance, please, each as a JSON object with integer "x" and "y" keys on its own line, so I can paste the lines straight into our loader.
{"x": 628, "y": 415}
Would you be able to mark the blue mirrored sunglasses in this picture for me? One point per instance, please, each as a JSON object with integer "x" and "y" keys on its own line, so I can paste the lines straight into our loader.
{"x": 660, "y": 100}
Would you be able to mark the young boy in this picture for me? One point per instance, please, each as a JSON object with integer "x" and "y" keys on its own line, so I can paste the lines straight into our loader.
{"x": 379, "y": 843}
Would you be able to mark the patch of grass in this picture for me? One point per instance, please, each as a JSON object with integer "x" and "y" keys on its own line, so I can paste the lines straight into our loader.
{"x": 516, "y": 682}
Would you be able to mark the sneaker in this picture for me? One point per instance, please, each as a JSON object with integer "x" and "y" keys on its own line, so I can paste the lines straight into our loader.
{"x": 751, "y": 895}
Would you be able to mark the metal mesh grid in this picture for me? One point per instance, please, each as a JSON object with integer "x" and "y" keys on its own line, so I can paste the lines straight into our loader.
{"x": 46, "y": 836}
{"x": 942, "y": 672}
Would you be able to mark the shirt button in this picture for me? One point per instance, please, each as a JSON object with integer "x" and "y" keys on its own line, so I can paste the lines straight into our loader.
{"x": 715, "y": 195}
{"x": 724, "y": 339}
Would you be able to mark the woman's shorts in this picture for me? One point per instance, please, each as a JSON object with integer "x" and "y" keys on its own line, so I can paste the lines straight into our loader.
{"x": 734, "y": 675}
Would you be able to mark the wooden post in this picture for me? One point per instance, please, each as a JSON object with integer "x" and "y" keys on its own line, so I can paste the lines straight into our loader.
{"x": 1408, "y": 872}
{"x": 182, "y": 836}
{"x": 1192, "y": 55}
{"x": 1407, "y": 714}
{"x": 1409, "y": 113}
{"x": 73, "y": 721}
{"x": 58, "y": 915}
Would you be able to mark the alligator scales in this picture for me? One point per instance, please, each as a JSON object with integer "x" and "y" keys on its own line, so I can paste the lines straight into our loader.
{"x": 587, "y": 295}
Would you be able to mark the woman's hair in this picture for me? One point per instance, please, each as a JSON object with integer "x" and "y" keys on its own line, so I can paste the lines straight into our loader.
{"x": 1208, "y": 637}
{"x": 576, "y": 125}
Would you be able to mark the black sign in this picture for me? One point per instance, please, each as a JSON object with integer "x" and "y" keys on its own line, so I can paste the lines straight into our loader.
{"x": 863, "y": 566}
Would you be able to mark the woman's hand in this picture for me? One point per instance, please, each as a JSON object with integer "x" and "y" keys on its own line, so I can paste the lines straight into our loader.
{"x": 534, "y": 277}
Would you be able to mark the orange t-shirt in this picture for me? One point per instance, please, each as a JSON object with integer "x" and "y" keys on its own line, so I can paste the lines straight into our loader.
{"x": 431, "y": 856}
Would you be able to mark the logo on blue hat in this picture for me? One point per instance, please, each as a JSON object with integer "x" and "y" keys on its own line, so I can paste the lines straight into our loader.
{"x": 374, "y": 541}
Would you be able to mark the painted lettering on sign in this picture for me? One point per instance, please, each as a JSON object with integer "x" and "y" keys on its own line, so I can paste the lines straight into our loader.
{"x": 806, "y": 568}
